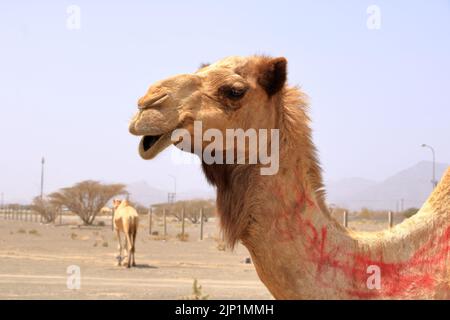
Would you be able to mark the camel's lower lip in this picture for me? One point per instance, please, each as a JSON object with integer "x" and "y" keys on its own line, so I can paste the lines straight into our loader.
{"x": 151, "y": 146}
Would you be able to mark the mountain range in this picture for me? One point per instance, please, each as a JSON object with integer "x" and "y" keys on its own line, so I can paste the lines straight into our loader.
{"x": 406, "y": 189}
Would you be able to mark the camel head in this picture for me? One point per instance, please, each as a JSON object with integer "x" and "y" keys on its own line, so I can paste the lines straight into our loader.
{"x": 233, "y": 93}
{"x": 116, "y": 203}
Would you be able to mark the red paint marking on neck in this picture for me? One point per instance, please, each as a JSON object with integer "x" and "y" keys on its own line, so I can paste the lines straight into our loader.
{"x": 415, "y": 274}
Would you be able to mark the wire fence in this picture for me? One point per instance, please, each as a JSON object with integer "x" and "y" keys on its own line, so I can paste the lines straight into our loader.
{"x": 150, "y": 219}
{"x": 157, "y": 224}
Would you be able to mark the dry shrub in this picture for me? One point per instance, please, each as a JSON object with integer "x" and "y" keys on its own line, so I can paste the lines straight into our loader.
{"x": 183, "y": 237}
{"x": 160, "y": 237}
{"x": 197, "y": 292}
{"x": 46, "y": 209}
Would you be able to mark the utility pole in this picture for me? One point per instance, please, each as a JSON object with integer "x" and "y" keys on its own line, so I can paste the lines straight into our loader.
{"x": 42, "y": 177}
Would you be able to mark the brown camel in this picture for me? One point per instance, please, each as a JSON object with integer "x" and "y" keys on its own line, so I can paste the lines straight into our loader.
{"x": 299, "y": 250}
{"x": 126, "y": 220}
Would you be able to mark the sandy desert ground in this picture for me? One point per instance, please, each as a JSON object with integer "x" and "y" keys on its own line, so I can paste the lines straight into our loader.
{"x": 34, "y": 259}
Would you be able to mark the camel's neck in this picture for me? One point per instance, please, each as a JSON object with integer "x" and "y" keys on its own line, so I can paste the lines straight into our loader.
{"x": 299, "y": 251}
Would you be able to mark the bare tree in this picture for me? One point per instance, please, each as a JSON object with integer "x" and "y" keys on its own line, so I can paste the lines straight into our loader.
{"x": 47, "y": 209}
{"x": 86, "y": 198}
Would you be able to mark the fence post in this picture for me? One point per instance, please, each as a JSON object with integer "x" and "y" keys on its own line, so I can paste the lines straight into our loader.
{"x": 182, "y": 222}
{"x": 165, "y": 222}
{"x": 150, "y": 216}
{"x": 201, "y": 223}
{"x": 391, "y": 219}
{"x": 345, "y": 222}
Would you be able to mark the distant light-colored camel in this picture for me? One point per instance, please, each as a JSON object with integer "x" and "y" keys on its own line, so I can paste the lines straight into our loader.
{"x": 126, "y": 220}
{"x": 299, "y": 250}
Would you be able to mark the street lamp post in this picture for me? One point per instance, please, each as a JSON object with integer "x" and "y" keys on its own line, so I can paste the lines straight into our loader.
{"x": 172, "y": 195}
{"x": 433, "y": 181}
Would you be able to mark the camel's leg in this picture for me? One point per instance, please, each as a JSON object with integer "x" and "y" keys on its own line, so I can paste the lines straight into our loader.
{"x": 119, "y": 258}
{"x": 134, "y": 245}
{"x": 129, "y": 247}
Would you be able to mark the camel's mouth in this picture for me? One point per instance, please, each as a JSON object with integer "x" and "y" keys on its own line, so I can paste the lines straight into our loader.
{"x": 151, "y": 146}
{"x": 149, "y": 141}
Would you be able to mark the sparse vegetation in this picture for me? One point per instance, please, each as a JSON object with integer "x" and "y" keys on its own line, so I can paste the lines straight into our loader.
{"x": 191, "y": 207}
{"x": 408, "y": 213}
{"x": 46, "y": 208}
{"x": 86, "y": 198}
{"x": 197, "y": 293}
{"x": 33, "y": 232}
{"x": 365, "y": 214}
{"x": 21, "y": 231}
{"x": 183, "y": 237}
{"x": 221, "y": 246}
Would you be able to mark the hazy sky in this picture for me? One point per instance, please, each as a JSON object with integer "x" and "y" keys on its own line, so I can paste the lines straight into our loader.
{"x": 376, "y": 95}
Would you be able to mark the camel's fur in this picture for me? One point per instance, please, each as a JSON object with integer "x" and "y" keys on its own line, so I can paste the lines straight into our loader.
{"x": 126, "y": 220}
{"x": 299, "y": 251}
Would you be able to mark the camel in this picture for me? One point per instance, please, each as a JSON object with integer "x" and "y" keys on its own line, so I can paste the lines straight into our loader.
{"x": 126, "y": 220}
{"x": 298, "y": 249}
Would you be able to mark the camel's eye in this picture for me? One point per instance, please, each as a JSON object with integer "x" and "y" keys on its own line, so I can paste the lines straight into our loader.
{"x": 232, "y": 92}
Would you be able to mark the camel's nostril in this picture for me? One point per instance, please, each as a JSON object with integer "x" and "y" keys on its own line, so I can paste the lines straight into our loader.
{"x": 148, "y": 102}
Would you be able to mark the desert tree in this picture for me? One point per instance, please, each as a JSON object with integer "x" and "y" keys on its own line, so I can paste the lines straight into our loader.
{"x": 86, "y": 198}
{"x": 46, "y": 209}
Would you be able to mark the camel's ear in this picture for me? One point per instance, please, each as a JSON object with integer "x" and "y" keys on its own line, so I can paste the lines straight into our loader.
{"x": 273, "y": 74}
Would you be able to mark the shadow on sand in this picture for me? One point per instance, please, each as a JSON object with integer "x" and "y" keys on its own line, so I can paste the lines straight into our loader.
{"x": 144, "y": 266}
